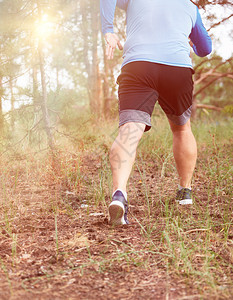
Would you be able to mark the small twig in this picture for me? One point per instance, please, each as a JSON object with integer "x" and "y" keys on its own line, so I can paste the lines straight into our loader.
{"x": 194, "y": 230}
{"x": 18, "y": 109}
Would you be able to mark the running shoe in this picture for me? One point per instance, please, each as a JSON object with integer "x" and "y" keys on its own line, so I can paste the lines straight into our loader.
{"x": 118, "y": 209}
{"x": 184, "y": 196}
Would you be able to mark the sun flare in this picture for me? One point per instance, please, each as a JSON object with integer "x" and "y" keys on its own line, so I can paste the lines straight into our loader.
{"x": 43, "y": 27}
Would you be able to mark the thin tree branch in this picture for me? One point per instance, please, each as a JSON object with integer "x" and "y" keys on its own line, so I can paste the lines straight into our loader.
{"x": 208, "y": 84}
{"x": 18, "y": 109}
{"x": 19, "y": 75}
{"x": 206, "y": 60}
{"x": 220, "y": 22}
{"x": 212, "y": 107}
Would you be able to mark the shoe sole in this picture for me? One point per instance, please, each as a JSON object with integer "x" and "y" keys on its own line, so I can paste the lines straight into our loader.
{"x": 185, "y": 201}
{"x": 116, "y": 212}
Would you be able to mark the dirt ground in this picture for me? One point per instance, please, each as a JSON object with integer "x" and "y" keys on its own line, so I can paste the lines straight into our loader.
{"x": 56, "y": 243}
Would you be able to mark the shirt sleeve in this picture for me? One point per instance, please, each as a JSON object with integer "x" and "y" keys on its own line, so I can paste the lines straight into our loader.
{"x": 107, "y": 12}
{"x": 202, "y": 44}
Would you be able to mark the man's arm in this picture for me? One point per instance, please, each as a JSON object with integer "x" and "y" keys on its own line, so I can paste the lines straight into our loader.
{"x": 202, "y": 44}
{"x": 107, "y": 12}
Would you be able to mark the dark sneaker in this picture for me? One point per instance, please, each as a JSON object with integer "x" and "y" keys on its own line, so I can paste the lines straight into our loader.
{"x": 118, "y": 209}
{"x": 184, "y": 196}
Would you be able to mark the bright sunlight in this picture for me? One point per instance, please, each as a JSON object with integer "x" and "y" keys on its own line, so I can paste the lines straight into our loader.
{"x": 43, "y": 27}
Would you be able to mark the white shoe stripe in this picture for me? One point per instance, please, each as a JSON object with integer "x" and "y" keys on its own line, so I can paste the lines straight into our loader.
{"x": 185, "y": 201}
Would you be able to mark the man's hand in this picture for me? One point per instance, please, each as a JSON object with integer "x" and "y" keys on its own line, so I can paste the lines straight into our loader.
{"x": 112, "y": 42}
{"x": 190, "y": 43}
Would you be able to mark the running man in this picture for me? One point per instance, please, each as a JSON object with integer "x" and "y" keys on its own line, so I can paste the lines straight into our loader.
{"x": 156, "y": 67}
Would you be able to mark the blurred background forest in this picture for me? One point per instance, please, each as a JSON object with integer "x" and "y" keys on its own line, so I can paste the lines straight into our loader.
{"x": 53, "y": 70}
{"x": 58, "y": 92}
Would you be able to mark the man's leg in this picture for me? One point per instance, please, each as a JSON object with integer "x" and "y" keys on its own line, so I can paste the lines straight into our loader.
{"x": 122, "y": 156}
{"x": 123, "y": 152}
{"x": 185, "y": 152}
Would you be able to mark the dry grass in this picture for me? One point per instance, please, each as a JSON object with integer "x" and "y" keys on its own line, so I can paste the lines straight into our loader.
{"x": 55, "y": 241}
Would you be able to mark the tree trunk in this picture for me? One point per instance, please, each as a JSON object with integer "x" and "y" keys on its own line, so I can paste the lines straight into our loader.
{"x": 35, "y": 92}
{"x": 12, "y": 104}
{"x": 108, "y": 96}
{"x": 194, "y": 108}
{"x": 92, "y": 69}
{"x": 1, "y": 112}
{"x": 96, "y": 106}
{"x": 44, "y": 107}
{"x": 86, "y": 59}
{"x": 43, "y": 101}
{"x": 35, "y": 98}
{"x": 58, "y": 80}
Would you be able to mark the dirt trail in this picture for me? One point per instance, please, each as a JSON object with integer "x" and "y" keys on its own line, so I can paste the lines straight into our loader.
{"x": 57, "y": 244}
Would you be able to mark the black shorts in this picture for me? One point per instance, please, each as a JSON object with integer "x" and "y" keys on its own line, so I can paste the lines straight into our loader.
{"x": 142, "y": 83}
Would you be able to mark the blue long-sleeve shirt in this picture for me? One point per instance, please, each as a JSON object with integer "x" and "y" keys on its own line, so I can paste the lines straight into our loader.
{"x": 159, "y": 30}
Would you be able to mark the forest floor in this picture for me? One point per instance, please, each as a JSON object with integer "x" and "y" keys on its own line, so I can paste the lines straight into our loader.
{"x": 56, "y": 243}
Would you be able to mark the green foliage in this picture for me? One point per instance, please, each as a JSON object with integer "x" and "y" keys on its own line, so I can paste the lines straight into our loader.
{"x": 216, "y": 87}
{"x": 77, "y": 73}
{"x": 228, "y": 109}
{"x": 67, "y": 105}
